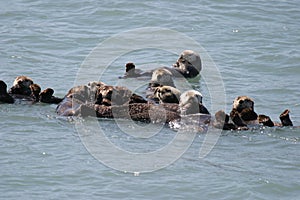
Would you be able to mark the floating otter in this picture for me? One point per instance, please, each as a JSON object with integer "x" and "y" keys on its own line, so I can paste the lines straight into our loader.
{"x": 243, "y": 114}
{"x": 188, "y": 65}
{"x": 132, "y": 72}
{"x": 4, "y": 96}
{"x": 24, "y": 89}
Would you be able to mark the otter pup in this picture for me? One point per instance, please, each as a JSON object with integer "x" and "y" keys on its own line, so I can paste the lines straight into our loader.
{"x": 4, "y": 96}
{"x": 132, "y": 72}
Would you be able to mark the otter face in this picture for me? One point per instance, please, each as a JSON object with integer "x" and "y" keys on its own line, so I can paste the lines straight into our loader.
{"x": 242, "y": 102}
{"x": 189, "y": 62}
{"x": 162, "y": 76}
{"x": 23, "y": 81}
{"x": 130, "y": 67}
{"x": 167, "y": 94}
{"x": 189, "y": 102}
{"x": 21, "y": 86}
{"x": 112, "y": 95}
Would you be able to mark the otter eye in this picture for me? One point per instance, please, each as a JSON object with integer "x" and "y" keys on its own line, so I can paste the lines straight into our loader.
{"x": 241, "y": 102}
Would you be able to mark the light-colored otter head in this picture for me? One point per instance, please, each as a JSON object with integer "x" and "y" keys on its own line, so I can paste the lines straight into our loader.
{"x": 242, "y": 102}
{"x": 23, "y": 81}
{"x": 162, "y": 76}
{"x": 167, "y": 94}
{"x": 190, "y": 102}
{"x": 21, "y": 86}
{"x": 94, "y": 86}
{"x": 112, "y": 95}
{"x": 189, "y": 62}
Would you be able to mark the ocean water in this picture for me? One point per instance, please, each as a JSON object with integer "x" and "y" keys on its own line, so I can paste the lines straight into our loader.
{"x": 254, "y": 46}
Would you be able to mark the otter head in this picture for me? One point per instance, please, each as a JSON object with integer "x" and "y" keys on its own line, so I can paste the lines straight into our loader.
{"x": 23, "y": 81}
{"x": 189, "y": 63}
{"x": 47, "y": 93}
{"x": 3, "y": 87}
{"x": 21, "y": 86}
{"x": 112, "y": 95}
{"x": 190, "y": 102}
{"x": 79, "y": 93}
{"x": 162, "y": 76}
{"x": 243, "y": 106}
{"x": 242, "y": 102}
{"x": 167, "y": 94}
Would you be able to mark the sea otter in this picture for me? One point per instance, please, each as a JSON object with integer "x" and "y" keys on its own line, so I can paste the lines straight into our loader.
{"x": 166, "y": 94}
{"x": 4, "y": 96}
{"x": 21, "y": 86}
{"x": 24, "y": 90}
{"x": 243, "y": 114}
{"x": 188, "y": 65}
{"x": 191, "y": 103}
{"x": 161, "y": 76}
{"x": 132, "y": 72}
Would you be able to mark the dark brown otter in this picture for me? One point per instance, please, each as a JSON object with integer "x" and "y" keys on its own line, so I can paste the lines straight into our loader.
{"x": 46, "y": 96}
{"x": 21, "y": 86}
{"x": 35, "y": 92}
{"x": 4, "y": 96}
